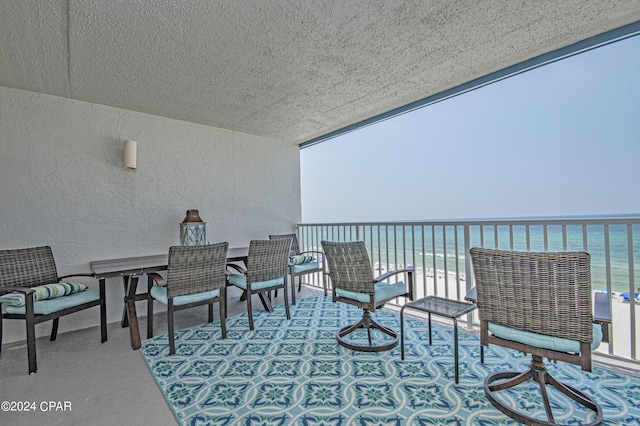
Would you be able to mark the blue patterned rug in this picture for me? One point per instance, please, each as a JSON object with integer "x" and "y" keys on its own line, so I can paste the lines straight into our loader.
{"x": 295, "y": 373}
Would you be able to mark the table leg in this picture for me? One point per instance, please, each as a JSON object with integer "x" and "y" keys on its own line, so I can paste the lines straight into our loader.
{"x": 429, "y": 316}
{"x": 124, "y": 323}
{"x": 455, "y": 349}
{"x": 401, "y": 333}
{"x": 130, "y": 300}
{"x": 103, "y": 310}
{"x": 266, "y": 302}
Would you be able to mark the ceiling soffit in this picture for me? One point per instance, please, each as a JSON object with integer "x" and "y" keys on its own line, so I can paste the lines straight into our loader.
{"x": 281, "y": 69}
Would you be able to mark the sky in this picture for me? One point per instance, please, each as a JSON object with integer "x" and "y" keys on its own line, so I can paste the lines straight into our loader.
{"x": 560, "y": 140}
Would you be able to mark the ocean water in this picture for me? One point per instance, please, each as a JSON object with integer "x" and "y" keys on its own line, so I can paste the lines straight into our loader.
{"x": 614, "y": 249}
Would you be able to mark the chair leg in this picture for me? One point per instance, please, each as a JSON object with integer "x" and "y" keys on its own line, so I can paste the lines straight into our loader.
{"x": 516, "y": 379}
{"x": 249, "y": 309}
{"x": 538, "y": 373}
{"x": 149, "y": 308}
{"x": 0, "y": 331}
{"x": 54, "y": 329}
{"x": 172, "y": 342}
{"x": 324, "y": 283}
{"x": 286, "y": 300}
{"x": 211, "y": 312}
{"x": 226, "y": 303}
{"x": 545, "y": 399}
{"x": 367, "y": 323}
{"x": 351, "y": 328}
{"x": 223, "y": 312}
{"x": 384, "y": 329}
{"x": 572, "y": 393}
{"x": 31, "y": 335}
{"x": 293, "y": 289}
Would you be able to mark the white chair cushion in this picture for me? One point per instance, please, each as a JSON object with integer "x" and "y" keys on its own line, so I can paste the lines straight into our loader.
{"x": 543, "y": 341}
{"x": 383, "y": 292}
{"x": 160, "y": 294}
{"x": 241, "y": 282}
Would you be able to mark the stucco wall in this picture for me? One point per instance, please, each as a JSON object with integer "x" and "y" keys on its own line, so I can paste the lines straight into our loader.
{"x": 62, "y": 183}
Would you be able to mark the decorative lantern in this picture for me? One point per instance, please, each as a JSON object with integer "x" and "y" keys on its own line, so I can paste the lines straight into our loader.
{"x": 192, "y": 230}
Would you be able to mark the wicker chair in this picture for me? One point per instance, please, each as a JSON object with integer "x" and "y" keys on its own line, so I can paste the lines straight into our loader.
{"x": 349, "y": 269}
{"x": 526, "y": 299}
{"x": 195, "y": 276}
{"x": 267, "y": 265}
{"x": 24, "y": 272}
{"x": 297, "y": 270}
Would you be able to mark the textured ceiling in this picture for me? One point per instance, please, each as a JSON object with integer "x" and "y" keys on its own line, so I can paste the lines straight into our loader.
{"x": 284, "y": 69}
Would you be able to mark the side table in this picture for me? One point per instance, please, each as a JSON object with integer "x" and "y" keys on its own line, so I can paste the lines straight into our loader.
{"x": 448, "y": 308}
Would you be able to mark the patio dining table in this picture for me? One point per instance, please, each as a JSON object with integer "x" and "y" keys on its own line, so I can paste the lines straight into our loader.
{"x": 130, "y": 269}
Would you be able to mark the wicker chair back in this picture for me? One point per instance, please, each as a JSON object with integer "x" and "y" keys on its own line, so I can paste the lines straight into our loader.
{"x": 268, "y": 260}
{"x": 194, "y": 269}
{"x": 349, "y": 266}
{"x": 295, "y": 247}
{"x": 540, "y": 292}
{"x": 27, "y": 267}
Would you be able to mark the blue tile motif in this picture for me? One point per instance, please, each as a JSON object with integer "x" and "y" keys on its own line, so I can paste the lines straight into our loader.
{"x": 295, "y": 373}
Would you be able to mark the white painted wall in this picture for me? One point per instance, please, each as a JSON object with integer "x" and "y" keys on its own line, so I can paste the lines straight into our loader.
{"x": 62, "y": 183}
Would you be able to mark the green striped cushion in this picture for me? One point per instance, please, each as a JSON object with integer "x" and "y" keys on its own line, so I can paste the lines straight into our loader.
{"x": 43, "y": 292}
{"x": 302, "y": 258}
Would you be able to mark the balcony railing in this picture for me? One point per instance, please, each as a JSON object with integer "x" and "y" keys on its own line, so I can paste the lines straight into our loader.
{"x": 439, "y": 252}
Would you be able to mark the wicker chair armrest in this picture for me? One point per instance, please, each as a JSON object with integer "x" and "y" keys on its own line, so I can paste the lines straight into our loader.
{"x": 601, "y": 320}
{"x": 472, "y": 295}
{"x": 236, "y": 267}
{"x": 25, "y": 290}
{"x": 78, "y": 275}
{"x": 409, "y": 283}
{"x": 601, "y": 314}
{"x": 159, "y": 279}
{"x": 392, "y": 273}
{"x": 312, "y": 251}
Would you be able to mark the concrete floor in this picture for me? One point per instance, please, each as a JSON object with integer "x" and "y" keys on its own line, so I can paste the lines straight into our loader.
{"x": 83, "y": 382}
